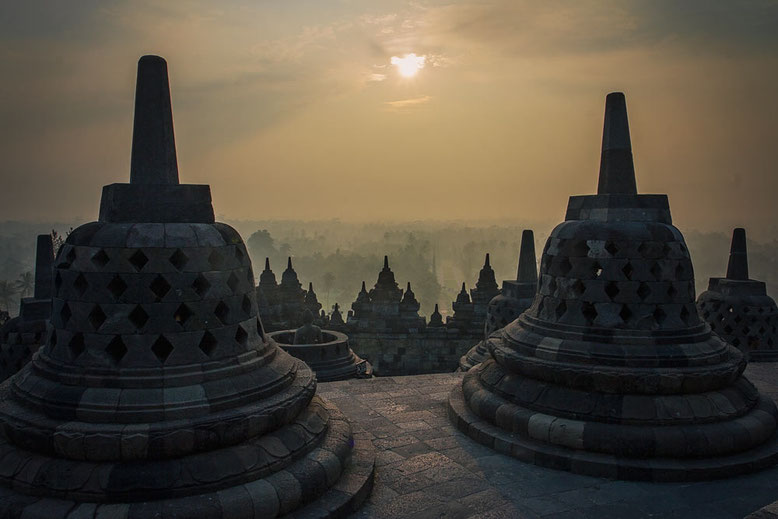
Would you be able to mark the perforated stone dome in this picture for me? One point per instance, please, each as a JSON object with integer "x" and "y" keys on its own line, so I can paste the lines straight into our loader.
{"x": 739, "y": 310}
{"x": 157, "y": 389}
{"x": 611, "y": 372}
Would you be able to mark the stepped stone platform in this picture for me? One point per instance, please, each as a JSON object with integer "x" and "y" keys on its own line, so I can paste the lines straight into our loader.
{"x": 426, "y": 468}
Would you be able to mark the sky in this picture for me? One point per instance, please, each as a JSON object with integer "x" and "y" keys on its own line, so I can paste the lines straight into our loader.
{"x": 299, "y": 109}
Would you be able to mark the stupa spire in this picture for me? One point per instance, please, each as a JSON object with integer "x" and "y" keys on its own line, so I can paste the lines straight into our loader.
{"x": 289, "y": 263}
{"x": 738, "y": 256}
{"x": 486, "y": 261}
{"x": 386, "y": 262}
{"x": 528, "y": 267}
{"x": 44, "y": 262}
{"x": 617, "y": 171}
{"x": 267, "y": 263}
{"x": 153, "y": 159}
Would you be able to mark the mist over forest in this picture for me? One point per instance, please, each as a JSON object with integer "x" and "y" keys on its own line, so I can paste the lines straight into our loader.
{"x": 337, "y": 256}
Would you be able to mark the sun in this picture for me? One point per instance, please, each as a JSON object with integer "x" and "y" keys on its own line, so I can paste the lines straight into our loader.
{"x": 409, "y": 65}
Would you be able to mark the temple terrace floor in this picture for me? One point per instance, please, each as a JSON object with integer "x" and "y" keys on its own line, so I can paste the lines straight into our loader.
{"x": 428, "y": 469}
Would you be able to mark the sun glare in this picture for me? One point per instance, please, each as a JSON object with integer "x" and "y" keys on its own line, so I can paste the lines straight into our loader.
{"x": 409, "y": 65}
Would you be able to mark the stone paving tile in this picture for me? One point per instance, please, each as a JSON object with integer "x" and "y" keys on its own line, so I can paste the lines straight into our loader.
{"x": 427, "y": 469}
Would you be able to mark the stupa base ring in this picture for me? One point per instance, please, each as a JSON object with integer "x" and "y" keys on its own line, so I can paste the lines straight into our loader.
{"x": 296, "y": 489}
{"x": 603, "y": 465}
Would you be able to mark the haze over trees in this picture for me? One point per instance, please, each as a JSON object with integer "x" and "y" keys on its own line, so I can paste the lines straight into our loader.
{"x": 337, "y": 256}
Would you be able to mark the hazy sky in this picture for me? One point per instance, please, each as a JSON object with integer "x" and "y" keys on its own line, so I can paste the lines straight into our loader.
{"x": 293, "y": 109}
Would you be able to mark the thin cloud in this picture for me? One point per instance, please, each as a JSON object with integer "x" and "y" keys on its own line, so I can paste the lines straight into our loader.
{"x": 408, "y": 104}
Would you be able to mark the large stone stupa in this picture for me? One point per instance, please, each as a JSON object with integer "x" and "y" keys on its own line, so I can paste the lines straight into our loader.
{"x": 738, "y": 308}
{"x": 157, "y": 393}
{"x": 611, "y": 372}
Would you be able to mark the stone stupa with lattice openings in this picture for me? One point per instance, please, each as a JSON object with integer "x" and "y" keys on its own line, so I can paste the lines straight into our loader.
{"x": 23, "y": 335}
{"x": 515, "y": 297}
{"x": 611, "y": 372}
{"x": 157, "y": 393}
{"x": 739, "y": 310}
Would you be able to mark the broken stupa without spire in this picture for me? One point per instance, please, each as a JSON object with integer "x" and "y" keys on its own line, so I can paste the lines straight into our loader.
{"x": 157, "y": 391}
{"x": 515, "y": 297}
{"x": 611, "y": 372}
{"x": 739, "y": 310}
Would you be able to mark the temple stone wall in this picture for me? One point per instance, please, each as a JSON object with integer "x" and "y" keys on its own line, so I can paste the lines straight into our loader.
{"x": 434, "y": 351}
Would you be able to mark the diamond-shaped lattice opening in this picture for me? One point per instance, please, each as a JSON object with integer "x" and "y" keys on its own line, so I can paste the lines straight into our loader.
{"x": 737, "y": 319}
{"x": 57, "y": 282}
{"x": 233, "y": 282}
{"x": 76, "y": 344}
{"x": 565, "y": 267}
{"x": 625, "y": 313}
{"x": 241, "y": 336}
{"x": 65, "y": 314}
{"x": 762, "y": 330}
{"x": 178, "y": 259}
{"x": 70, "y": 257}
{"x": 581, "y": 248}
{"x": 656, "y": 270}
{"x": 117, "y": 286}
{"x": 208, "y": 343}
{"x": 162, "y": 348}
{"x": 746, "y": 330}
{"x": 80, "y": 284}
{"x": 628, "y": 269}
{"x": 727, "y": 329}
{"x": 222, "y": 311}
{"x": 160, "y": 287}
{"x": 643, "y": 291}
{"x": 138, "y": 260}
{"x": 182, "y": 314}
{"x": 561, "y": 308}
{"x": 138, "y": 317}
{"x": 578, "y": 287}
{"x": 612, "y": 289}
{"x": 201, "y": 285}
{"x": 96, "y": 317}
{"x": 611, "y": 248}
{"x": 589, "y": 312}
{"x": 679, "y": 271}
{"x": 746, "y": 309}
{"x": 116, "y": 349}
{"x": 685, "y": 314}
{"x": 100, "y": 258}
{"x": 245, "y": 305}
{"x": 239, "y": 254}
{"x": 736, "y": 342}
{"x": 705, "y": 314}
{"x": 671, "y": 291}
{"x": 770, "y": 342}
{"x": 215, "y": 260}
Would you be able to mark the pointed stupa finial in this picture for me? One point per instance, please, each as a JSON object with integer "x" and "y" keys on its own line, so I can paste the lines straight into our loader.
{"x": 289, "y": 263}
{"x": 486, "y": 261}
{"x": 436, "y": 307}
{"x": 463, "y": 287}
{"x": 617, "y": 171}
{"x": 408, "y": 288}
{"x": 153, "y": 159}
{"x": 267, "y": 263}
{"x": 386, "y": 262}
{"x": 310, "y": 286}
{"x": 44, "y": 265}
{"x": 738, "y": 256}
{"x": 363, "y": 287}
{"x": 528, "y": 267}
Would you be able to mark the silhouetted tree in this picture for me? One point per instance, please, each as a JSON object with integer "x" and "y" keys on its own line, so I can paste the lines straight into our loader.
{"x": 7, "y": 292}
{"x": 25, "y": 283}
